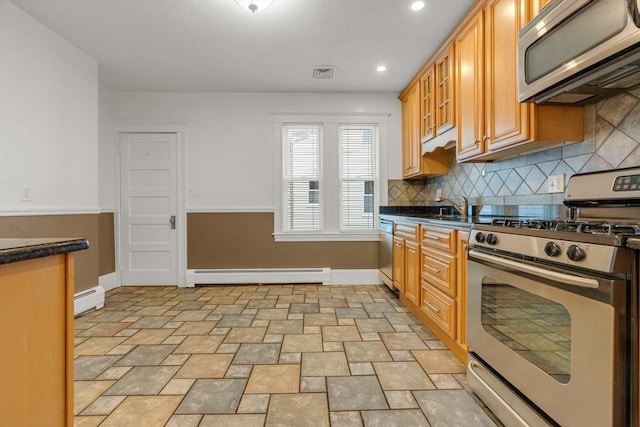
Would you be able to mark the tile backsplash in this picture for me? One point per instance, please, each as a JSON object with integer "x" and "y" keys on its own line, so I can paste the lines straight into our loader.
{"x": 612, "y": 140}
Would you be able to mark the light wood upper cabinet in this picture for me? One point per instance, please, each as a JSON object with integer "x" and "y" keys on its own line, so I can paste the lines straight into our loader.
{"x": 506, "y": 119}
{"x": 411, "y": 132}
{"x": 414, "y": 164}
{"x": 444, "y": 91}
{"x": 491, "y": 122}
{"x": 469, "y": 49}
{"x": 428, "y": 104}
{"x": 436, "y": 89}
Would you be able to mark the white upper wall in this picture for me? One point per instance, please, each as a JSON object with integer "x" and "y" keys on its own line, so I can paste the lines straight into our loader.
{"x": 230, "y": 139}
{"x": 48, "y": 119}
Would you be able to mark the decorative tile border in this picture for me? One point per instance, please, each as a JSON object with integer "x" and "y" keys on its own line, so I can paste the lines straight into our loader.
{"x": 612, "y": 140}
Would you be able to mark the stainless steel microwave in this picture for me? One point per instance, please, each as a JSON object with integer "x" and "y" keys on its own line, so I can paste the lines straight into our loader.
{"x": 579, "y": 51}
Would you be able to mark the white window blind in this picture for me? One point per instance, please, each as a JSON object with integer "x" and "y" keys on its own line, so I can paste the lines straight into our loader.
{"x": 357, "y": 176}
{"x": 301, "y": 145}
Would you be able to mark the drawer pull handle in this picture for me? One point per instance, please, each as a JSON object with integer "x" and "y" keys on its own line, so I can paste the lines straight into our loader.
{"x": 432, "y": 307}
{"x": 428, "y": 267}
{"x": 429, "y": 236}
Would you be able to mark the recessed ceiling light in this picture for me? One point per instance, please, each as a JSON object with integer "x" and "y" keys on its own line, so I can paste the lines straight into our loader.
{"x": 254, "y": 6}
{"x": 381, "y": 68}
{"x": 417, "y": 5}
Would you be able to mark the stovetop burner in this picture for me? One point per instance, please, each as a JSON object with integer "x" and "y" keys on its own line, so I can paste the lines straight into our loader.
{"x": 606, "y": 228}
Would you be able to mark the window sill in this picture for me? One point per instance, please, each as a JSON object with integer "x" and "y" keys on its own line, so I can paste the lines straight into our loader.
{"x": 368, "y": 236}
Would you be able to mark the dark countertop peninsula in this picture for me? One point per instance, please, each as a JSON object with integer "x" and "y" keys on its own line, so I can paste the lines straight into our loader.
{"x": 20, "y": 249}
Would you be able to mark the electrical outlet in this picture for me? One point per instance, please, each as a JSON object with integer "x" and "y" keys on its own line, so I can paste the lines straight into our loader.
{"x": 438, "y": 192}
{"x": 26, "y": 194}
{"x": 193, "y": 192}
{"x": 555, "y": 184}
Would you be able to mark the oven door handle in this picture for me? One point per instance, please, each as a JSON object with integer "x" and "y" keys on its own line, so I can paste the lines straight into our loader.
{"x": 537, "y": 271}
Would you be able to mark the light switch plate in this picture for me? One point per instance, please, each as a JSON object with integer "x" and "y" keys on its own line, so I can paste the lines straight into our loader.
{"x": 555, "y": 184}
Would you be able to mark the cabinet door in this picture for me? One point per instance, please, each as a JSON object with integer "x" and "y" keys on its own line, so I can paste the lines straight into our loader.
{"x": 412, "y": 271}
{"x": 411, "y": 133}
{"x": 398, "y": 264}
{"x": 506, "y": 119}
{"x": 427, "y": 105}
{"x": 444, "y": 92}
{"x": 469, "y": 50}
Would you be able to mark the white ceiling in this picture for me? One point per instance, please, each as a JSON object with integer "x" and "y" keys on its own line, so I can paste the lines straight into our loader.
{"x": 216, "y": 46}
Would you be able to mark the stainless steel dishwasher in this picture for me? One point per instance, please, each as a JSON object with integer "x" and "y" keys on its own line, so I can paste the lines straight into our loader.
{"x": 385, "y": 252}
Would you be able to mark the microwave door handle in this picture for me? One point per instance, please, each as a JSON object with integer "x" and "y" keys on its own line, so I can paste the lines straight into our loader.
{"x": 634, "y": 11}
{"x": 537, "y": 271}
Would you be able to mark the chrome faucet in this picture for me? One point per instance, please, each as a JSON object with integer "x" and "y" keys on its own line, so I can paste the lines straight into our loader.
{"x": 461, "y": 208}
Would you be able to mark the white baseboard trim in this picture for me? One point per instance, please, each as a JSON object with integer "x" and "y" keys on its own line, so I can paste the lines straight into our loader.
{"x": 355, "y": 277}
{"x": 110, "y": 281}
{"x": 89, "y": 300}
{"x": 326, "y": 276}
{"x": 258, "y": 275}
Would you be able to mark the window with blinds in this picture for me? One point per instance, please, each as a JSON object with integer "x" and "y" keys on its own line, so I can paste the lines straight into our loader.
{"x": 301, "y": 146}
{"x": 357, "y": 176}
{"x": 326, "y": 171}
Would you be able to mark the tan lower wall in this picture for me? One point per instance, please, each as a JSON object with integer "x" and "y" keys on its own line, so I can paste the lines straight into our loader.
{"x": 85, "y": 226}
{"x": 106, "y": 244}
{"x": 245, "y": 240}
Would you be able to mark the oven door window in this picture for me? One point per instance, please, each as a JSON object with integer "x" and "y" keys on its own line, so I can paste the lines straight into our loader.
{"x": 534, "y": 327}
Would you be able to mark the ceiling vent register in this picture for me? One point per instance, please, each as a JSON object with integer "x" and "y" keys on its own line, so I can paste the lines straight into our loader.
{"x": 322, "y": 73}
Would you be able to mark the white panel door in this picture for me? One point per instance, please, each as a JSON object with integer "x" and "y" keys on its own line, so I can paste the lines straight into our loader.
{"x": 148, "y": 208}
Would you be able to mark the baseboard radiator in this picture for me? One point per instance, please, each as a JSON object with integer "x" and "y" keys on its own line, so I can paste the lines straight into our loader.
{"x": 89, "y": 300}
{"x": 261, "y": 275}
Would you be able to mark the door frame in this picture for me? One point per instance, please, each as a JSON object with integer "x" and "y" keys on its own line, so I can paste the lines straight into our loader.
{"x": 180, "y": 129}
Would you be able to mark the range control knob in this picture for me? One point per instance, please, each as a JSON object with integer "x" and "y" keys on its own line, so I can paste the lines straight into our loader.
{"x": 480, "y": 237}
{"x": 492, "y": 239}
{"x": 552, "y": 249}
{"x": 576, "y": 253}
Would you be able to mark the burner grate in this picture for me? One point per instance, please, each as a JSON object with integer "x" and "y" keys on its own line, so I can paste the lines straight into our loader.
{"x": 538, "y": 224}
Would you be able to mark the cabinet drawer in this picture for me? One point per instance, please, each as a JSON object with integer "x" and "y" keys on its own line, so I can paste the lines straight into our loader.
{"x": 439, "y": 269}
{"x": 438, "y": 237}
{"x": 440, "y": 308}
{"x": 406, "y": 230}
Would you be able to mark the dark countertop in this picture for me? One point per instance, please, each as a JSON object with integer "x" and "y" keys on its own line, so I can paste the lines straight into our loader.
{"x": 447, "y": 216}
{"x": 443, "y": 220}
{"x": 20, "y": 249}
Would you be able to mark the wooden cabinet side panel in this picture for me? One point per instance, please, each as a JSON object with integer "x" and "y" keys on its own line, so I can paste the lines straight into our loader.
{"x": 463, "y": 245}
{"x": 69, "y": 315}
{"x": 34, "y": 385}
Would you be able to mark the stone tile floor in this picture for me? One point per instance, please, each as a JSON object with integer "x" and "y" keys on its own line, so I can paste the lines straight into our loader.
{"x": 278, "y": 355}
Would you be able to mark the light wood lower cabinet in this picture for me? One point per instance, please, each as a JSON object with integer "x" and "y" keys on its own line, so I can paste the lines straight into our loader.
{"x": 463, "y": 246}
{"x": 406, "y": 261}
{"x": 440, "y": 308}
{"x": 433, "y": 277}
{"x": 398, "y": 264}
{"x": 412, "y": 271}
{"x": 36, "y": 342}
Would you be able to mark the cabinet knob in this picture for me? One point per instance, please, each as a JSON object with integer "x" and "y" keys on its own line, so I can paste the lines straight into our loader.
{"x": 485, "y": 138}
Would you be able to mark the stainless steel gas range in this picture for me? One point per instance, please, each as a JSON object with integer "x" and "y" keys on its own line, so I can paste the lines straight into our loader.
{"x": 552, "y": 309}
